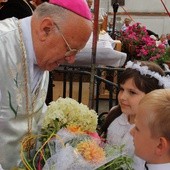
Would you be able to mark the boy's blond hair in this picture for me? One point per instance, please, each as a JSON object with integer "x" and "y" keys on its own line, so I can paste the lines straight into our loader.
{"x": 157, "y": 106}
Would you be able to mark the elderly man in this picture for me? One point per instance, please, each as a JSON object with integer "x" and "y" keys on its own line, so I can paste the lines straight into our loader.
{"x": 29, "y": 48}
{"x": 2, "y": 2}
{"x": 90, "y": 3}
{"x": 126, "y": 24}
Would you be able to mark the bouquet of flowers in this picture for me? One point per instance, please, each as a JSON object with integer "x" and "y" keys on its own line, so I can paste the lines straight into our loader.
{"x": 134, "y": 35}
{"x": 140, "y": 46}
{"x": 151, "y": 52}
{"x": 68, "y": 140}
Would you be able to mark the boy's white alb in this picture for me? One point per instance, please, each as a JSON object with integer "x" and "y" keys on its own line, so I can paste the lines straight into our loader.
{"x": 163, "y": 80}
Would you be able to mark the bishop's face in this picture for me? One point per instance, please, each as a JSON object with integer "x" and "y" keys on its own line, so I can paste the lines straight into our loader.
{"x": 57, "y": 44}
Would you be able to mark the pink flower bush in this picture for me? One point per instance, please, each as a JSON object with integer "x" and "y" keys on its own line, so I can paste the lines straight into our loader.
{"x": 140, "y": 46}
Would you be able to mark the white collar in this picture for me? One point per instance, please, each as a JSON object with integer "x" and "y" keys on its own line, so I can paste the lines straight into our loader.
{"x": 34, "y": 70}
{"x": 165, "y": 166}
{"x": 123, "y": 120}
{"x": 27, "y": 37}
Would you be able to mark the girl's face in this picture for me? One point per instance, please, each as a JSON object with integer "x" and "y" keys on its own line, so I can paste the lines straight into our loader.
{"x": 129, "y": 97}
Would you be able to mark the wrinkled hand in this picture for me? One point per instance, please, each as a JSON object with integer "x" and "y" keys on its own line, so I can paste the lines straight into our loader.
{"x": 3, "y": 1}
{"x": 33, "y": 3}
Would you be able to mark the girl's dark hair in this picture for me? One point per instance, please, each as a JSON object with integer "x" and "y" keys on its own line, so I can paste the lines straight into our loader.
{"x": 144, "y": 83}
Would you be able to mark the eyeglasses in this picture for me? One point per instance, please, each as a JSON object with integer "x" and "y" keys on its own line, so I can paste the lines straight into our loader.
{"x": 70, "y": 51}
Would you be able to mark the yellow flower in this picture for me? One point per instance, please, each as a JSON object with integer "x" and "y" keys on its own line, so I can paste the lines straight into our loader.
{"x": 91, "y": 151}
{"x": 75, "y": 129}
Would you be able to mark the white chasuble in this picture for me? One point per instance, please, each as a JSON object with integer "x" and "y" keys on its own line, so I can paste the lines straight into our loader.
{"x": 17, "y": 102}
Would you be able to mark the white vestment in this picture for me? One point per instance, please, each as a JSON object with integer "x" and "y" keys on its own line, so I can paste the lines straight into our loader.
{"x": 17, "y": 91}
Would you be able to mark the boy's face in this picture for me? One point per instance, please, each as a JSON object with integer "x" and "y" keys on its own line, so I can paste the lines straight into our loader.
{"x": 145, "y": 144}
{"x": 129, "y": 97}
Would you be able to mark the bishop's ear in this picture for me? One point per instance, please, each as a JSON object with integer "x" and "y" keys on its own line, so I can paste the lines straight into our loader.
{"x": 46, "y": 27}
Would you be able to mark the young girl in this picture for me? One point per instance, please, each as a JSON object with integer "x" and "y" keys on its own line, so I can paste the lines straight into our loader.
{"x": 151, "y": 134}
{"x": 138, "y": 79}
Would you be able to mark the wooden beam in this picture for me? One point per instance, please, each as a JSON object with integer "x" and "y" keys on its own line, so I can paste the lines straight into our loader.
{"x": 141, "y": 13}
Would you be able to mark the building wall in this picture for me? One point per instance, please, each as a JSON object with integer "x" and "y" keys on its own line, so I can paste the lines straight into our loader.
{"x": 150, "y": 13}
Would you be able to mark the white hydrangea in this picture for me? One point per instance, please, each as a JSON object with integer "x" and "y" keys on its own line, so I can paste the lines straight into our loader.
{"x": 68, "y": 111}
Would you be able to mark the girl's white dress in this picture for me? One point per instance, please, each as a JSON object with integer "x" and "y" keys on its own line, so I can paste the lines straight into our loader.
{"x": 118, "y": 133}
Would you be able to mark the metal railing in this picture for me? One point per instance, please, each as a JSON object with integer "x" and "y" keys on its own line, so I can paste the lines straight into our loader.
{"x": 105, "y": 76}
{"x": 80, "y": 74}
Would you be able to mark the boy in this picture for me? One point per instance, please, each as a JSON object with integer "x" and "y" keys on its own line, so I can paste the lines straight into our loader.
{"x": 151, "y": 133}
